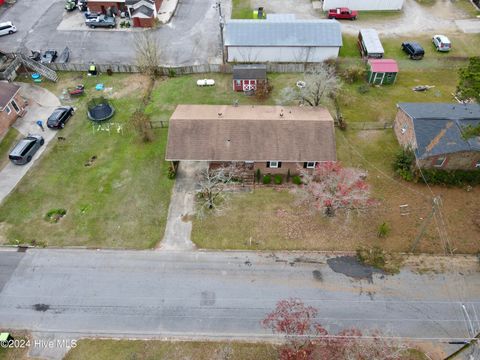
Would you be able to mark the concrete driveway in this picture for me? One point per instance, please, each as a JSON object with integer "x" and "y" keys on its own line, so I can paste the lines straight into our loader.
{"x": 191, "y": 37}
{"x": 41, "y": 103}
{"x": 225, "y": 295}
{"x": 182, "y": 205}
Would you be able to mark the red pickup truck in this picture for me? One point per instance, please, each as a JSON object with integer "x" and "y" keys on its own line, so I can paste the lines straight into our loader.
{"x": 342, "y": 13}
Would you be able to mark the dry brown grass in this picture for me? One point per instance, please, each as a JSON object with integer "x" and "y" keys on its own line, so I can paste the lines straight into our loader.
{"x": 270, "y": 219}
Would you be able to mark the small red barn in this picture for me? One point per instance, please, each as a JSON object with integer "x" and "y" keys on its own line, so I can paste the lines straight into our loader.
{"x": 246, "y": 77}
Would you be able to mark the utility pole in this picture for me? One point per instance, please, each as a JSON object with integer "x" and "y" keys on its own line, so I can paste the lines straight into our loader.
{"x": 435, "y": 214}
{"x": 221, "y": 23}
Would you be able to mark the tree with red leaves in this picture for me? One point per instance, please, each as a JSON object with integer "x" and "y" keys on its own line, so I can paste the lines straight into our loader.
{"x": 306, "y": 339}
{"x": 330, "y": 187}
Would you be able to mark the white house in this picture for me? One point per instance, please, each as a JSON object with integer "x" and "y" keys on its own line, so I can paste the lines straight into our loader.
{"x": 363, "y": 4}
{"x": 282, "y": 39}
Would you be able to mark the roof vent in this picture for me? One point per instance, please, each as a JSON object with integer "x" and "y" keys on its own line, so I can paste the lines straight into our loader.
{"x": 281, "y": 113}
{"x": 220, "y": 114}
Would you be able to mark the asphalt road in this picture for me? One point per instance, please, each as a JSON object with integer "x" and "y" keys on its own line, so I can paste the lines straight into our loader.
{"x": 224, "y": 295}
{"x": 192, "y": 36}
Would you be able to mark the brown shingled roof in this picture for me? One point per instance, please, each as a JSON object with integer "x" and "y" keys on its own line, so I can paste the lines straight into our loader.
{"x": 7, "y": 92}
{"x": 250, "y": 133}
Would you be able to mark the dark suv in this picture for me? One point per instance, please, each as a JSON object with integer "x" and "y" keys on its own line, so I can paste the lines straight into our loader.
{"x": 23, "y": 152}
{"x": 59, "y": 117}
{"x": 414, "y": 50}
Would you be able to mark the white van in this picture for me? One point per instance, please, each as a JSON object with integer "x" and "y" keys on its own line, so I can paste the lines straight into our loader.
{"x": 7, "y": 28}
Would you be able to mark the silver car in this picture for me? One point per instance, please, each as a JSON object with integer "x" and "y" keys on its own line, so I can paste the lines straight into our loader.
{"x": 24, "y": 150}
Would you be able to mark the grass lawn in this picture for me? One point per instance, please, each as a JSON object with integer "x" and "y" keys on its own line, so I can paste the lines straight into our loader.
{"x": 6, "y": 143}
{"x": 19, "y": 353}
{"x": 468, "y": 7}
{"x": 241, "y": 9}
{"x": 437, "y": 69}
{"x": 154, "y": 349}
{"x": 120, "y": 200}
{"x": 272, "y": 219}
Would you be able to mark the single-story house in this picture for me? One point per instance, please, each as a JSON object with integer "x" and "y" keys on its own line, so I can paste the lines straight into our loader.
{"x": 363, "y": 4}
{"x": 369, "y": 44}
{"x": 437, "y": 133}
{"x": 274, "y": 139}
{"x": 246, "y": 77}
{"x": 142, "y": 12}
{"x": 281, "y": 40}
{"x": 382, "y": 71}
{"x": 12, "y": 105}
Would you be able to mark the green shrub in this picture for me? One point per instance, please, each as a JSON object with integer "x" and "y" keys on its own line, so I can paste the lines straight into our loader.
{"x": 171, "y": 73}
{"x": 297, "y": 180}
{"x": 258, "y": 176}
{"x": 171, "y": 174}
{"x": 448, "y": 177}
{"x": 380, "y": 259}
{"x": 403, "y": 164}
{"x": 267, "y": 179}
{"x": 55, "y": 215}
{"x": 383, "y": 230}
{"x": 363, "y": 89}
{"x": 278, "y": 179}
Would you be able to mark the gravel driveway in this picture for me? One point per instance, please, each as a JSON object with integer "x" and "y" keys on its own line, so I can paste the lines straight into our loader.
{"x": 413, "y": 19}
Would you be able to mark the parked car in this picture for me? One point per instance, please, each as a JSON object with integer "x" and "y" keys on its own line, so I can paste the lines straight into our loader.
{"x": 7, "y": 28}
{"x": 442, "y": 43}
{"x": 48, "y": 56}
{"x": 342, "y": 13}
{"x": 413, "y": 49}
{"x": 59, "y": 117}
{"x": 24, "y": 150}
{"x": 101, "y": 21}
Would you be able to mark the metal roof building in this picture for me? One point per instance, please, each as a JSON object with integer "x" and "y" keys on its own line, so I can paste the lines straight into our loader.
{"x": 281, "y": 40}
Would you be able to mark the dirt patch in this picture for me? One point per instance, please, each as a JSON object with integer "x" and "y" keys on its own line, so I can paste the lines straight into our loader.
{"x": 133, "y": 84}
{"x": 415, "y": 18}
{"x": 428, "y": 264}
{"x": 351, "y": 267}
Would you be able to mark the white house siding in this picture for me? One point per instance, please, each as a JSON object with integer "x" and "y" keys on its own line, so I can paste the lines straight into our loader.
{"x": 280, "y": 53}
{"x": 363, "y": 4}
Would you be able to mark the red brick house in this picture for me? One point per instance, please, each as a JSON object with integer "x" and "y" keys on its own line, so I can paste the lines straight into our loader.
{"x": 142, "y": 12}
{"x": 436, "y": 132}
{"x": 274, "y": 139}
{"x": 12, "y": 105}
{"x": 246, "y": 77}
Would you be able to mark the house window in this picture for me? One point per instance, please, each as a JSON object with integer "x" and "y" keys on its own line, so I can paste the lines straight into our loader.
{"x": 404, "y": 128}
{"x": 274, "y": 164}
{"x": 8, "y": 110}
{"x": 15, "y": 106}
{"x": 310, "y": 165}
{"x": 439, "y": 161}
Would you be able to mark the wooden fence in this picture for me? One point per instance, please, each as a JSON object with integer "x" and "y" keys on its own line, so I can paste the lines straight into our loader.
{"x": 183, "y": 70}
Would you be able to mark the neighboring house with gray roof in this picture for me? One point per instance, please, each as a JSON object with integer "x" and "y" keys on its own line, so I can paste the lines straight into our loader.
{"x": 437, "y": 133}
{"x": 282, "y": 40}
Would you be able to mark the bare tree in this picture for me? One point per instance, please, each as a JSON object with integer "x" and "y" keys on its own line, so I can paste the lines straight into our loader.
{"x": 148, "y": 53}
{"x": 318, "y": 85}
{"x": 213, "y": 183}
